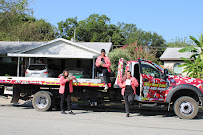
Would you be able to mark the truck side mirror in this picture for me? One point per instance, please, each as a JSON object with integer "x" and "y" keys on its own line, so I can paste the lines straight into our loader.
{"x": 166, "y": 73}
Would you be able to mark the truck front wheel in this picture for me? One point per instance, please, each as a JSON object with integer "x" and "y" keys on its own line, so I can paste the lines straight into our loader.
{"x": 42, "y": 101}
{"x": 186, "y": 107}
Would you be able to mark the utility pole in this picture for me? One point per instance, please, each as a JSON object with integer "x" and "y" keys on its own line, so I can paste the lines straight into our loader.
{"x": 74, "y": 33}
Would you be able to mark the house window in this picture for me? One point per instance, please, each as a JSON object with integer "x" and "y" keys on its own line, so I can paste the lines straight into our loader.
{"x": 177, "y": 69}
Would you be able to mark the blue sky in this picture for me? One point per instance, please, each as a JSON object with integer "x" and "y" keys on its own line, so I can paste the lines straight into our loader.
{"x": 169, "y": 18}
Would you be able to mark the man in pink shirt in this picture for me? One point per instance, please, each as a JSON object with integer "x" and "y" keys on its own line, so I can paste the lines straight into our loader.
{"x": 103, "y": 65}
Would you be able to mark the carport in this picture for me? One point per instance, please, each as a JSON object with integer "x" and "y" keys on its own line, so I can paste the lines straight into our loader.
{"x": 63, "y": 53}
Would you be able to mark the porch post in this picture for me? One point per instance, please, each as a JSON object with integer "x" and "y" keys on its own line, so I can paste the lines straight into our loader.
{"x": 29, "y": 61}
{"x": 18, "y": 67}
{"x": 93, "y": 68}
{"x": 21, "y": 67}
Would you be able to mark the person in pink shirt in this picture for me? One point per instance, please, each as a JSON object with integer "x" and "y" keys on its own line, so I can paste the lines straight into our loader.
{"x": 65, "y": 90}
{"x": 128, "y": 91}
{"x": 103, "y": 65}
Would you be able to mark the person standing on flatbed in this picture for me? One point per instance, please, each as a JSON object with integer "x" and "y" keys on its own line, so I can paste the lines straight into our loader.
{"x": 103, "y": 65}
{"x": 66, "y": 88}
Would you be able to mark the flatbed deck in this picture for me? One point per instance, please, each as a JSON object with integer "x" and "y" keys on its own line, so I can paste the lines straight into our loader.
{"x": 10, "y": 80}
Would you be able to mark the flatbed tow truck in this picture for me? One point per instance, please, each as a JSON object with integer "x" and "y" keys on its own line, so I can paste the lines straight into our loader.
{"x": 183, "y": 95}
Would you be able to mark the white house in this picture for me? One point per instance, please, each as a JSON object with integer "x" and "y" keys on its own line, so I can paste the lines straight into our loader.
{"x": 61, "y": 52}
{"x": 172, "y": 60}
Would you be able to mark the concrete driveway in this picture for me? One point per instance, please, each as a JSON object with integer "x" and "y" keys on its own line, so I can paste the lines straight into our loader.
{"x": 22, "y": 119}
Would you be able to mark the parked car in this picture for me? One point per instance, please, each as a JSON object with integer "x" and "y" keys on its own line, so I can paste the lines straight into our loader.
{"x": 78, "y": 73}
{"x": 54, "y": 70}
{"x": 37, "y": 70}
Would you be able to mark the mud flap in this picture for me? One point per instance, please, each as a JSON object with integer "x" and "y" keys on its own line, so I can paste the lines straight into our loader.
{"x": 16, "y": 94}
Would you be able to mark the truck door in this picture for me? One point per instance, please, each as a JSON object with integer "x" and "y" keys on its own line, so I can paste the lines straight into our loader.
{"x": 153, "y": 84}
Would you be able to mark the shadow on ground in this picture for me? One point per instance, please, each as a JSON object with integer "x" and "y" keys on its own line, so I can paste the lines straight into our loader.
{"x": 115, "y": 107}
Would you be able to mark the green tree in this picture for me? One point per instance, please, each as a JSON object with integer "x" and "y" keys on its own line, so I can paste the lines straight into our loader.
{"x": 149, "y": 39}
{"x": 115, "y": 34}
{"x": 66, "y": 28}
{"x": 95, "y": 28}
{"x": 127, "y": 29}
{"x": 38, "y": 30}
{"x": 15, "y": 6}
{"x": 145, "y": 38}
{"x": 194, "y": 65}
{"x": 178, "y": 42}
{"x": 17, "y": 22}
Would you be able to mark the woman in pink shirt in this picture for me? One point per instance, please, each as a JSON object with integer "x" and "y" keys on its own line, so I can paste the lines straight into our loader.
{"x": 66, "y": 88}
{"x": 128, "y": 91}
{"x": 103, "y": 65}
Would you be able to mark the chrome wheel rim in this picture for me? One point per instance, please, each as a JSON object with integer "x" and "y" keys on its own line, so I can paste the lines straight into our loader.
{"x": 41, "y": 101}
{"x": 186, "y": 108}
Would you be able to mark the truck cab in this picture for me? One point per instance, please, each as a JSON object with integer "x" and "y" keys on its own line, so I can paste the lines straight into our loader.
{"x": 151, "y": 78}
{"x": 185, "y": 94}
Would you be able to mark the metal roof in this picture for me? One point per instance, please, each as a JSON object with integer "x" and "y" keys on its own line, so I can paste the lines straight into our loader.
{"x": 97, "y": 45}
{"x": 173, "y": 54}
{"x": 60, "y": 39}
{"x": 15, "y": 47}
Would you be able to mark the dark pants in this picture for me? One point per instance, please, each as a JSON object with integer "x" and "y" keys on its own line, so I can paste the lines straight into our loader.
{"x": 63, "y": 97}
{"x": 128, "y": 100}
{"x": 104, "y": 71}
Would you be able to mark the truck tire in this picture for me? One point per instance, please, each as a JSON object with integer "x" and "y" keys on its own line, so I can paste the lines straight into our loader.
{"x": 186, "y": 107}
{"x": 42, "y": 101}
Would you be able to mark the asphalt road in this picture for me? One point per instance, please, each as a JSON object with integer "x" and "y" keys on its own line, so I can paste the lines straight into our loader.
{"x": 22, "y": 119}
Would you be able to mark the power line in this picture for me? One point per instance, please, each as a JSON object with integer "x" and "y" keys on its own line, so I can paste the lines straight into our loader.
{"x": 99, "y": 29}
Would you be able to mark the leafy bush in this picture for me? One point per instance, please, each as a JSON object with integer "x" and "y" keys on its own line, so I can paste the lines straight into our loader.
{"x": 131, "y": 52}
{"x": 143, "y": 52}
{"x": 115, "y": 55}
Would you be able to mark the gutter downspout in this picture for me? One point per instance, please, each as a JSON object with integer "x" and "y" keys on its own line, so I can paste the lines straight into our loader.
{"x": 93, "y": 67}
{"x": 18, "y": 67}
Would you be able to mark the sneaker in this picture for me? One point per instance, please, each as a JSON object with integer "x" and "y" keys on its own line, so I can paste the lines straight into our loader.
{"x": 63, "y": 112}
{"x": 140, "y": 98}
{"x": 106, "y": 87}
{"x": 71, "y": 112}
{"x": 91, "y": 104}
{"x": 127, "y": 115}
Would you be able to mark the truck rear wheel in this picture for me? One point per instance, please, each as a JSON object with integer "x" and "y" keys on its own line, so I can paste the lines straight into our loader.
{"x": 186, "y": 107}
{"x": 42, "y": 101}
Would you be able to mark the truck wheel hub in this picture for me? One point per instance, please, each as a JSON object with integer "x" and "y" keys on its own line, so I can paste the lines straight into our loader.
{"x": 186, "y": 108}
{"x": 41, "y": 101}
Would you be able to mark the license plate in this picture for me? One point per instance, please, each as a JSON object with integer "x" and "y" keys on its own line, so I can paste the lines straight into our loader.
{"x": 35, "y": 75}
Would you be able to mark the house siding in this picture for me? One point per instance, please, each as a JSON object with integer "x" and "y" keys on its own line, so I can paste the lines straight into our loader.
{"x": 170, "y": 65}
